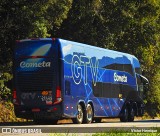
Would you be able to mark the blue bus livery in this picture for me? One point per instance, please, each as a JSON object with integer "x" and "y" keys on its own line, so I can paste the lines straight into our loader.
{"x": 56, "y": 79}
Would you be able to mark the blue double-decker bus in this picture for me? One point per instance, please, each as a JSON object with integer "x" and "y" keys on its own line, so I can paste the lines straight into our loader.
{"x": 56, "y": 79}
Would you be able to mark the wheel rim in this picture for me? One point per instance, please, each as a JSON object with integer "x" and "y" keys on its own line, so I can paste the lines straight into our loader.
{"x": 89, "y": 112}
{"x": 80, "y": 114}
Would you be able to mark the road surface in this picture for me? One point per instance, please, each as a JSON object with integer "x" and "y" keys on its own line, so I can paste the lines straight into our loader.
{"x": 106, "y": 126}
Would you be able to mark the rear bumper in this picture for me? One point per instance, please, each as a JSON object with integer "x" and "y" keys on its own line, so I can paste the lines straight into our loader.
{"x": 54, "y": 112}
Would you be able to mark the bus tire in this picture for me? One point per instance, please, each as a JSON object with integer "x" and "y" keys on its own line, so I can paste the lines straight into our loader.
{"x": 124, "y": 116}
{"x": 88, "y": 115}
{"x": 79, "y": 115}
{"x": 131, "y": 114}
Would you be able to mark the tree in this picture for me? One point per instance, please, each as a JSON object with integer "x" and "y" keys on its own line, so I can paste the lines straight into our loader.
{"x": 28, "y": 19}
{"x": 128, "y": 26}
{"x": 22, "y": 19}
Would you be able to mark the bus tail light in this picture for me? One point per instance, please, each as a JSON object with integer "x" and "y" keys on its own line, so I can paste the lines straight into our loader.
{"x": 58, "y": 95}
{"x": 15, "y": 99}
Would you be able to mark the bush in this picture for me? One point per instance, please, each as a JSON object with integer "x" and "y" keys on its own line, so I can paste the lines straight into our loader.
{"x": 7, "y": 113}
{"x": 5, "y": 86}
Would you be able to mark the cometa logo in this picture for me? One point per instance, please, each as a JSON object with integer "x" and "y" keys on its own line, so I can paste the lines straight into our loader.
{"x": 24, "y": 64}
{"x": 119, "y": 78}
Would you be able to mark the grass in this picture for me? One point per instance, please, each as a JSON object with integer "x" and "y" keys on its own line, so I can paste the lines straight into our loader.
{"x": 125, "y": 134}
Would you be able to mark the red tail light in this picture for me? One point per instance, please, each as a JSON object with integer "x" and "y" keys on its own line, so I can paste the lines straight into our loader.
{"x": 14, "y": 94}
{"x": 58, "y": 95}
{"x": 58, "y": 92}
{"x": 15, "y": 100}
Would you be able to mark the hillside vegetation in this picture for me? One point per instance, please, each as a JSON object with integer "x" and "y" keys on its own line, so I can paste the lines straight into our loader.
{"x": 131, "y": 26}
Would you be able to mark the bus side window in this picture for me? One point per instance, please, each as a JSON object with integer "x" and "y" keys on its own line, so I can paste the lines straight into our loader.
{"x": 119, "y": 63}
{"x": 67, "y": 87}
{"x": 128, "y": 68}
{"x": 97, "y": 90}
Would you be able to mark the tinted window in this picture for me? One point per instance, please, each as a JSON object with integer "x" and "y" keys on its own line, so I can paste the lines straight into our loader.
{"x": 109, "y": 63}
{"x": 127, "y": 65}
{"x": 128, "y": 68}
{"x": 109, "y": 90}
{"x": 67, "y": 88}
{"x": 138, "y": 71}
{"x": 119, "y": 63}
{"x": 34, "y": 48}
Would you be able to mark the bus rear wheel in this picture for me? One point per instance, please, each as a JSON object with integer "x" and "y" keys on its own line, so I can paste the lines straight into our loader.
{"x": 131, "y": 115}
{"x": 79, "y": 115}
{"x": 88, "y": 116}
{"x": 124, "y": 116}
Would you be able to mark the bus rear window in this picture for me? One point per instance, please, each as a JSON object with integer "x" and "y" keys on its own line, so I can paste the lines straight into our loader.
{"x": 33, "y": 48}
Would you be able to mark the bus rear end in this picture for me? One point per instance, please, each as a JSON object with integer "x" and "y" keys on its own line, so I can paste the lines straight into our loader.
{"x": 37, "y": 90}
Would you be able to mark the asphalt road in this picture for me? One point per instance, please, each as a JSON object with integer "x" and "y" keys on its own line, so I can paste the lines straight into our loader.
{"x": 105, "y": 126}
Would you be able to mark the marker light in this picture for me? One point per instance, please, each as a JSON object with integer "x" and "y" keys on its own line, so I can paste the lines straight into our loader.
{"x": 15, "y": 99}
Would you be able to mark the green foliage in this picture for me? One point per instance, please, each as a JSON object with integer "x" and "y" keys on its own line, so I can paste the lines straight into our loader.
{"x": 28, "y": 19}
{"x": 154, "y": 95}
{"x": 5, "y": 91}
{"x": 129, "y": 26}
{"x": 7, "y": 114}
{"x": 125, "y": 134}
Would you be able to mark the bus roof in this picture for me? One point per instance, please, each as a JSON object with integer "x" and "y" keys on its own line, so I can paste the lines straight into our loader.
{"x": 97, "y": 48}
{"x": 79, "y": 44}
